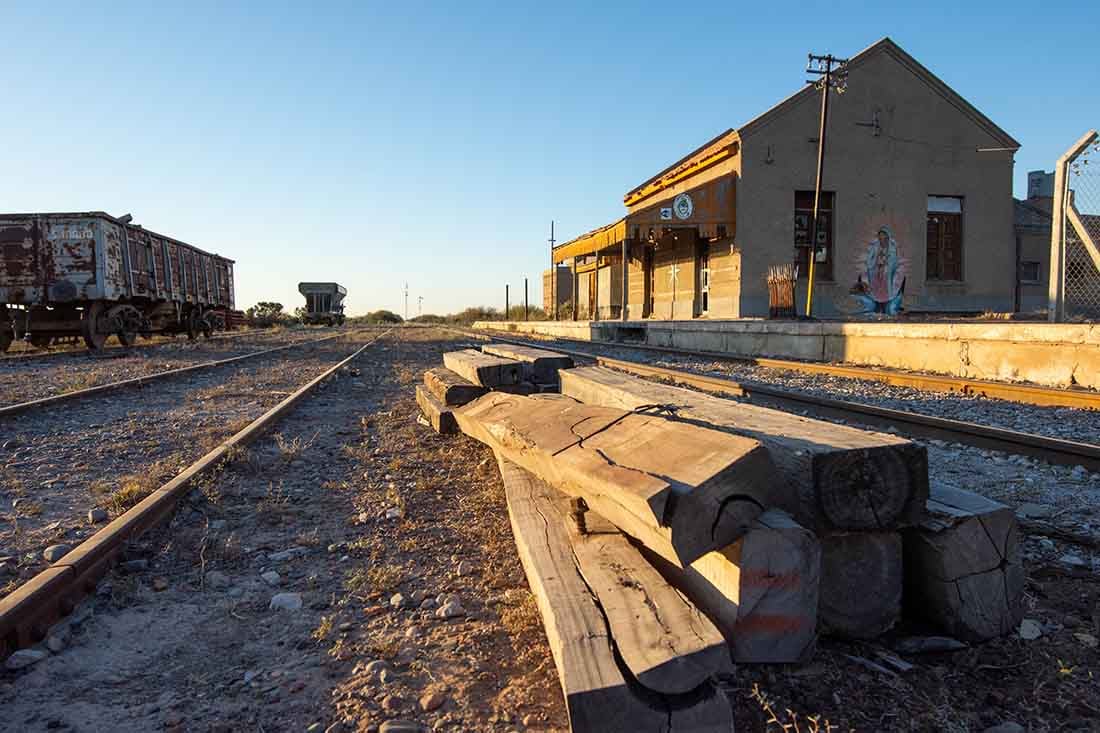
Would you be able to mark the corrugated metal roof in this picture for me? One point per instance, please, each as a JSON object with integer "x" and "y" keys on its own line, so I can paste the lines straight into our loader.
{"x": 592, "y": 241}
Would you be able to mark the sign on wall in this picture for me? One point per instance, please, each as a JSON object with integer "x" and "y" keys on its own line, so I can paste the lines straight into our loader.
{"x": 666, "y": 213}
{"x": 683, "y": 206}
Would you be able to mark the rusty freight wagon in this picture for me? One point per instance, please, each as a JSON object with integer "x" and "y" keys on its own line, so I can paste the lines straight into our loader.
{"x": 91, "y": 275}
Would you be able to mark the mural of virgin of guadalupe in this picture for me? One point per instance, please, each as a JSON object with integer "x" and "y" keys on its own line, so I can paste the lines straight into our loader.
{"x": 880, "y": 284}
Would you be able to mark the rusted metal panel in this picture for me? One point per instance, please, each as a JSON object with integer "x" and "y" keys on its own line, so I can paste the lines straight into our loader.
{"x": 49, "y": 259}
{"x": 18, "y": 260}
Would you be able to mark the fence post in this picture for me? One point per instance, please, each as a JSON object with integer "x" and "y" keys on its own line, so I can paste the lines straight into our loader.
{"x": 1056, "y": 288}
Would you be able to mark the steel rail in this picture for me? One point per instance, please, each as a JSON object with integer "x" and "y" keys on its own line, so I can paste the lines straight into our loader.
{"x": 1051, "y": 450}
{"x": 1025, "y": 393}
{"x": 27, "y": 613}
{"x": 21, "y": 407}
{"x": 118, "y": 350}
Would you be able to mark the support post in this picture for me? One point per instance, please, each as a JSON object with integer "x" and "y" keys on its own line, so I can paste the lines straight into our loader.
{"x": 827, "y": 80}
{"x": 576, "y": 286}
{"x": 553, "y": 277}
{"x": 526, "y": 305}
{"x": 1056, "y": 288}
{"x": 624, "y": 284}
{"x": 506, "y": 304}
{"x": 596, "y": 290}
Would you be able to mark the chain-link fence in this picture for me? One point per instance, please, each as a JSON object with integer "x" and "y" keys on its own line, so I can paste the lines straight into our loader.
{"x": 1080, "y": 209}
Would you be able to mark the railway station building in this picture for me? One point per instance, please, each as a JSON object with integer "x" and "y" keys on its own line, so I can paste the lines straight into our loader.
{"x": 917, "y": 211}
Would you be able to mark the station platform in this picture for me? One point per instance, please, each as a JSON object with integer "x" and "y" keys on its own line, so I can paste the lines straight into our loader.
{"x": 1053, "y": 355}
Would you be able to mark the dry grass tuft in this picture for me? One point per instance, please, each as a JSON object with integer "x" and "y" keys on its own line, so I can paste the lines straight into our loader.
{"x": 323, "y": 629}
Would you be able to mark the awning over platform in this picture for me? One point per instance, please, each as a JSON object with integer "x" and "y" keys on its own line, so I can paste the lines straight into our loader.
{"x": 592, "y": 242}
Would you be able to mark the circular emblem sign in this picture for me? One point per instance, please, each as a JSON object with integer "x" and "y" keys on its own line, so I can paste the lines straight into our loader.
{"x": 683, "y": 206}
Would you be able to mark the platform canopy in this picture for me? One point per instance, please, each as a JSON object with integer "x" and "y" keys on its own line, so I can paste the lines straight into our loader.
{"x": 592, "y": 242}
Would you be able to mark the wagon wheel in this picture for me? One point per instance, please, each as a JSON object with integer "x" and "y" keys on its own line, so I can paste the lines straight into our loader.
{"x": 125, "y": 321}
{"x": 91, "y": 326}
{"x": 207, "y": 328}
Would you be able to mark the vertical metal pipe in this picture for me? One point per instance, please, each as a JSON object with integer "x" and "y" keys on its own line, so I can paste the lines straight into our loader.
{"x": 817, "y": 184}
{"x": 506, "y": 308}
{"x": 623, "y": 284}
{"x": 526, "y": 304}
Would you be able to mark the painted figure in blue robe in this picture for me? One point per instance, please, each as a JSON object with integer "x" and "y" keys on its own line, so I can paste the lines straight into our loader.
{"x": 881, "y": 282}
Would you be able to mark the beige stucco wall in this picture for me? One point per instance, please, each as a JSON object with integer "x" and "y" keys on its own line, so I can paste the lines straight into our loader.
{"x": 927, "y": 146}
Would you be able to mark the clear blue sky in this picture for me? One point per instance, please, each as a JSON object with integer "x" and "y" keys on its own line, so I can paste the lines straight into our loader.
{"x": 376, "y": 144}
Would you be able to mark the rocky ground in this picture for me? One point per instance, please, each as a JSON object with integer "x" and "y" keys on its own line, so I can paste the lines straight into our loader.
{"x": 357, "y": 572}
{"x": 31, "y": 377}
{"x": 66, "y": 469}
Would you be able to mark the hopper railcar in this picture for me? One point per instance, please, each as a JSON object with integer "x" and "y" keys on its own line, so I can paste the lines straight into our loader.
{"x": 324, "y": 303}
{"x": 90, "y": 275}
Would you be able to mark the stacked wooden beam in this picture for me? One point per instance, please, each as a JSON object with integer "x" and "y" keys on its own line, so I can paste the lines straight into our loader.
{"x": 856, "y": 489}
{"x": 540, "y": 366}
{"x": 953, "y": 554}
{"x": 631, "y": 655}
{"x": 701, "y": 530}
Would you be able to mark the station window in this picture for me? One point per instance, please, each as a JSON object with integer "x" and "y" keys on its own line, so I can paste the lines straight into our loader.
{"x": 945, "y": 238}
{"x": 803, "y": 213}
{"x": 1029, "y": 272}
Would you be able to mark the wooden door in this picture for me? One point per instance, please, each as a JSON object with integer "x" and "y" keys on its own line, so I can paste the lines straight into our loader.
{"x": 944, "y": 246}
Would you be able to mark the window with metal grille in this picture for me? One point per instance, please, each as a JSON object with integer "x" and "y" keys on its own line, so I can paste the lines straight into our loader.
{"x": 945, "y": 238}
{"x": 803, "y": 214}
{"x": 1029, "y": 272}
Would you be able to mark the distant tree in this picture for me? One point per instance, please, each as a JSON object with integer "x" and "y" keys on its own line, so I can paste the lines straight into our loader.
{"x": 300, "y": 313}
{"x": 428, "y": 318}
{"x": 383, "y": 316}
{"x": 266, "y": 314}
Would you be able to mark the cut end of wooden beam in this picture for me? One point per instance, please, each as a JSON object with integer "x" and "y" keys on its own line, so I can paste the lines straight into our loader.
{"x": 858, "y": 489}
{"x": 540, "y": 365}
{"x": 441, "y": 418}
{"x": 963, "y": 566}
{"x": 861, "y": 583}
{"x": 450, "y": 388}
{"x": 483, "y": 369}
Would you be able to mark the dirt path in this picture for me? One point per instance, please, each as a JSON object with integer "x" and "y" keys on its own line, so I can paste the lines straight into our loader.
{"x": 396, "y": 544}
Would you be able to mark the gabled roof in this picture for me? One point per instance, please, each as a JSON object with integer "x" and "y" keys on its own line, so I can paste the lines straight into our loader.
{"x": 1031, "y": 217}
{"x": 885, "y": 45}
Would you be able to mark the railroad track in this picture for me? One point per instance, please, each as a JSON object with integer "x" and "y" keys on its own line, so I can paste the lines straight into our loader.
{"x": 1051, "y": 450}
{"x": 21, "y": 407}
{"x": 118, "y": 350}
{"x": 27, "y": 613}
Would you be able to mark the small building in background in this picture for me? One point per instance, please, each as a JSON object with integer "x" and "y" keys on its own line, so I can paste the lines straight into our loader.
{"x": 916, "y": 211}
{"x": 561, "y": 279}
{"x": 1033, "y": 223}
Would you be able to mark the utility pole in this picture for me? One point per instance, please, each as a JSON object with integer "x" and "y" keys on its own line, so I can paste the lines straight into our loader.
{"x": 553, "y": 278}
{"x": 831, "y": 74}
{"x": 420, "y": 305}
{"x": 506, "y": 305}
{"x": 406, "y": 301}
{"x": 526, "y": 306}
